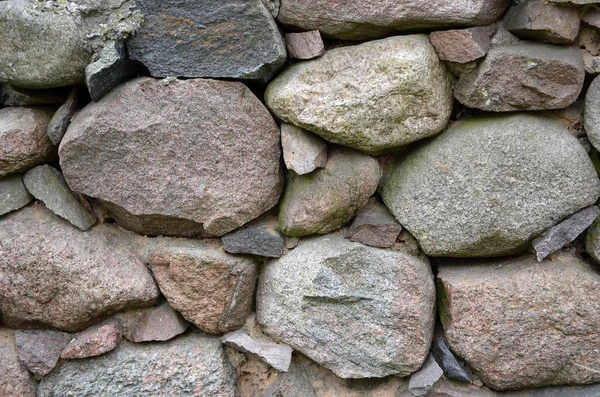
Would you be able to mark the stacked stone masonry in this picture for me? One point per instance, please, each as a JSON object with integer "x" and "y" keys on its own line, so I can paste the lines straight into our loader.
{"x": 299, "y": 198}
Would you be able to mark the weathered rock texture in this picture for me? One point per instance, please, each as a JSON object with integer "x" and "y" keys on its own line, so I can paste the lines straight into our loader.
{"x": 15, "y": 380}
{"x": 305, "y": 45}
{"x": 527, "y": 76}
{"x": 14, "y": 96}
{"x": 40, "y": 350}
{"x": 61, "y": 118}
{"x": 374, "y": 97}
{"x": 448, "y": 362}
{"x": 94, "y": 341}
{"x": 224, "y": 39}
{"x": 462, "y": 45}
{"x": 591, "y": 115}
{"x": 176, "y": 157}
{"x": 374, "y": 225}
{"x": 23, "y": 140}
{"x": 191, "y": 365}
{"x": 111, "y": 67}
{"x": 360, "y": 20}
{"x": 13, "y": 194}
{"x": 522, "y": 324}
{"x": 424, "y": 379}
{"x": 359, "y": 311}
{"x": 276, "y": 355}
{"x": 261, "y": 237}
{"x": 487, "y": 186}
{"x": 158, "y": 324}
{"x": 55, "y": 275}
{"x": 326, "y": 199}
{"x": 303, "y": 152}
{"x": 210, "y": 288}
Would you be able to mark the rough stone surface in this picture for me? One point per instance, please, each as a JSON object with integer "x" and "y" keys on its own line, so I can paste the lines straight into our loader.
{"x": 94, "y": 341}
{"x": 158, "y": 324}
{"x": 592, "y": 18}
{"x": 192, "y": 365}
{"x": 329, "y": 197}
{"x": 527, "y": 76}
{"x": 40, "y": 350}
{"x": 260, "y": 237}
{"x": 111, "y": 67}
{"x": 47, "y": 184}
{"x": 591, "y": 113}
{"x": 55, "y": 275}
{"x": 13, "y": 194}
{"x": 374, "y": 97}
{"x": 15, "y": 380}
{"x": 487, "y": 186}
{"x": 233, "y": 39}
{"x": 374, "y": 225}
{"x": 23, "y": 140}
{"x": 62, "y": 117}
{"x": 562, "y": 234}
{"x": 303, "y": 152}
{"x": 211, "y": 289}
{"x": 196, "y": 156}
{"x": 522, "y": 324}
{"x": 276, "y": 355}
{"x": 360, "y": 20}
{"x": 337, "y": 302}
{"x": 448, "y": 362}
{"x": 272, "y": 6}
{"x": 462, "y": 45}
{"x": 40, "y": 49}
{"x": 13, "y": 96}
{"x": 592, "y": 241}
{"x": 305, "y": 45}
{"x": 589, "y": 43}
{"x": 538, "y": 20}
{"x": 572, "y": 118}
{"x": 424, "y": 379}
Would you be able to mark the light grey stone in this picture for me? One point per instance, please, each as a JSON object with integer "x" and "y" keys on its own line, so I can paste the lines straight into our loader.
{"x": 520, "y": 324}
{"x": 48, "y": 185}
{"x": 13, "y": 194}
{"x": 272, "y": 6}
{"x": 276, "y": 355}
{"x": 553, "y": 76}
{"x": 62, "y": 117}
{"x": 591, "y": 113}
{"x": 336, "y": 301}
{"x": 303, "y": 152}
{"x": 328, "y": 198}
{"x": 110, "y": 67}
{"x": 374, "y": 97}
{"x": 487, "y": 186}
{"x": 191, "y": 365}
{"x": 562, "y": 234}
{"x": 424, "y": 379}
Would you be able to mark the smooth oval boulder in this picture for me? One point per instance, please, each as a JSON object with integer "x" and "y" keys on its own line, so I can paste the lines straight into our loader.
{"x": 520, "y": 323}
{"x": 54, "y": 275}
{"x": 361, "y": 20}
{"x": 357, "y": 310}
{"x": 489, "y": 185}
{"x": 23, "y": 139}
{"x": 328, "y": 198}
{"x": 374, "y": 97}
{"x": 41, "y": 48}
{"x": 525, "y": 76}
{"x": 191, "y": 365}
{"x": 176, "y": 157}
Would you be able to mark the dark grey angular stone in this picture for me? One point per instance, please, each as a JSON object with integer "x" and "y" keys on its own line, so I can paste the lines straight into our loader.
{"x": 446, "y": 359}
{"x": 262, "y": 238}
{"x": 562, "y": 234}
{"x": 110, "y": 68}
{"x": 14, "y": 96}
{"x": 13, "y": 194}
{"x": 222, "y": 39}
{"x": 62, "y": 117}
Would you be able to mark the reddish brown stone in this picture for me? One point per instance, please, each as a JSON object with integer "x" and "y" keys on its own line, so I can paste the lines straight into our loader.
{"x": 158, "y": 324}
{"x": 305, "y": 45}
{"x": 464, "y": 45}
{"x": 374, "y": 225}
{"x": 15, "y": 380}
{"x": 94, "y": 341}
{"x": 40, "y": 350}
{"x": 23, "y": 139}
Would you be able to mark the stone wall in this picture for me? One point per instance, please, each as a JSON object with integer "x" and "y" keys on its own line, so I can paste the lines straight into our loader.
{"x": 293, "y": 198}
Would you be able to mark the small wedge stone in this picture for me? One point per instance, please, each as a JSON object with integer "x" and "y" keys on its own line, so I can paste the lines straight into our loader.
{"x": 305, "y": 45}
{"x": 94, "y": 341}
{"x": 303, "y": 151}
{"x": 61, "y": 119}
{"x": 375, "y": 225}
{"x": 158, "y": 324}
{"x": 424, "y": 379}
{"x": 109, "y": 69}
{"x": 40, "y": 350}
{"x": 13, "y": 194}
{"x": 446, "y": 359}
{"x": 260, "y": 238}
{"x": 278, "y": 356}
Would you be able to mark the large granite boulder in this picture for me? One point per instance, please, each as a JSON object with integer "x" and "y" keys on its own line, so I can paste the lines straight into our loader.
{"x": 357, "y": 310}
{"x": 360, "y": 19}
{"x": 191, "y": 365}
{"x": 519, "y": 323}
{"x": 210, "y": 288}
{"x": 222, "y": 39}
{"x": 15, "y": 380}
{"x": 55, "y": 275}
{"x": 329, "y": 197}
{"x": 525, "y": 76}
{"x": 23, "y": 139}
{"x": 176, "y": 157}
{"x": 375, "y": 97}
{"x": 489, "y": 185}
